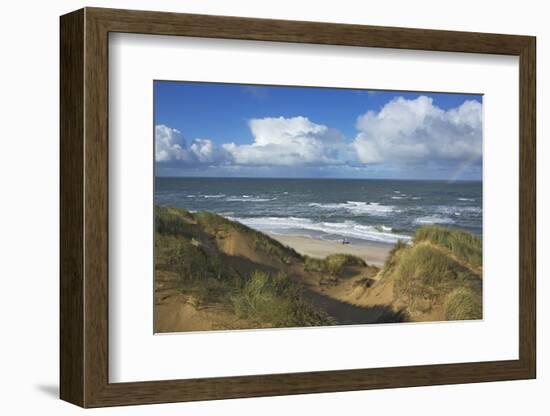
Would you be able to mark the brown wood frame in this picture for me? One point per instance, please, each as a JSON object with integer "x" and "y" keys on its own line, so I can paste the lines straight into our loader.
{"x": 84, "y": 208}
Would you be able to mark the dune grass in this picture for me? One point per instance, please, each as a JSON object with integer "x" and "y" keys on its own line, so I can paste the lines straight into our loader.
{"x": 391, "y": 260}
{"x": 464, "y": 245}
{"x": 462, "y": 304}
{"x": 333, "y": 264}
{"x": 215, "y": 224}
{"x": 183, "y": 248}
{"x": 427, "y": 272}
{"x": 441, "y": 267}
{"x": 277, "y": 300}
{"x": 186, "y": 244}
{"x": 199, "y": 274}
{"x": 173, "y": 221}
{"x": 179, "y": 222}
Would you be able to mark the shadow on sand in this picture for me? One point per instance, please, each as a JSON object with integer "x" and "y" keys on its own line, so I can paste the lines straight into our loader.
{"x": 348, "y": 314}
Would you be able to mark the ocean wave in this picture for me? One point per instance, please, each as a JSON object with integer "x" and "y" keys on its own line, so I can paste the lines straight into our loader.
{"x": 456, "y": 210}
{"x": 401, "y": 195}
{"x": 214, "y": 196}
{"x": 466, "y": 199}
{"x": 247, "y": 198}
{"x": 433, "y": 219}
{"x": 358, "y": 207}
{"x": 348, "y": 229}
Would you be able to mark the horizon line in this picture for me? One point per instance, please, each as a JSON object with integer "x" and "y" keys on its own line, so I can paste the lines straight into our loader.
{"x": 318, "y": 178}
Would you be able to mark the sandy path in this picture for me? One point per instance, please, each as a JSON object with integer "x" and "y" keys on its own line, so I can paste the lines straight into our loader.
{"x": 345, "y": 313}
{"x": 374, "y": 254}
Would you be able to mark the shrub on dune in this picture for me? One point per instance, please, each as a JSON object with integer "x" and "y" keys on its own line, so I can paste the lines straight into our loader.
{"x": 276, "y": 300}
{"x": 172, "y": 221}
{"x": 336, "y": 262}
{"x": 314, "y": 264}
{"x": 333, "y": 264}
{"x": 462, "y": 304}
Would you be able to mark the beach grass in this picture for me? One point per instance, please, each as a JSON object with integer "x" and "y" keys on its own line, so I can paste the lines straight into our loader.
{"x": 216, "y": 224}
{"x": 277, "y": 300}
{"x": 187, "y": 244}
{"x": 463, "y": 304}
{"x": 440, "y": 268}
{"x": 426, "y": 271}
{"x": 393, "y": 256}
{"x": 333, "y": 264}
{"x": 464, "y": 245}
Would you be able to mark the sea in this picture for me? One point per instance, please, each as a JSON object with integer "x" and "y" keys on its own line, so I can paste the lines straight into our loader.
{"x": 358, "y": 210}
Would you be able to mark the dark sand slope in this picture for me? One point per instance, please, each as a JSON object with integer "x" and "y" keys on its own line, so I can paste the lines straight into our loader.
{"x": 215, "y": 274}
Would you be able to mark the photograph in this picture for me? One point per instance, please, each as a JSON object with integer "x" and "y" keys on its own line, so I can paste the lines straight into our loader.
{"x": 275, "y": 203}
{"x": 282, "y": 206}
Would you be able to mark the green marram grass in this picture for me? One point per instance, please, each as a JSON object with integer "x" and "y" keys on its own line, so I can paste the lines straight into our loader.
{"x": 277, "y": 300}
{"x": 462, "y": 244}
{"x": 462, "y": 304}
{"x": 179, "y": 222}
{"x": 441, "y": 267}
{"x": 215, "y": 224}
{"x": 186, "y": 244}
{"x": 393, "y": 256}
{"x": 333, "y": 264}
{"x": 425, "y": 271}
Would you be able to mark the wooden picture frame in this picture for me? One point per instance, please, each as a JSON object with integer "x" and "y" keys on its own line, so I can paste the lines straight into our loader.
{"x": 84, "y": 207}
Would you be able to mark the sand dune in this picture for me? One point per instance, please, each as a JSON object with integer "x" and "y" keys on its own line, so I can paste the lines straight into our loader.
{"x": 216, "y": 274}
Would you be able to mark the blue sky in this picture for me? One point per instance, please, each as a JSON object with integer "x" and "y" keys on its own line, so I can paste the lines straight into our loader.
{"x": 215, "y": 129}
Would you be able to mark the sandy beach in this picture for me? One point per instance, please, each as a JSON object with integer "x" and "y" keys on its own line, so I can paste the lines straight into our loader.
{"x": 374, "y": 254}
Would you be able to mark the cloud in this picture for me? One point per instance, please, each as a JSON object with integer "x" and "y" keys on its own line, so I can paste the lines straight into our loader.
{"x": 169, "y": 144}
{"x": 278, "y": 141}
{"x": 295, "y": 141}
{"x": 171, "y": 147}
{"x": 404, "y": 138}
{"x": 413, "y": 131}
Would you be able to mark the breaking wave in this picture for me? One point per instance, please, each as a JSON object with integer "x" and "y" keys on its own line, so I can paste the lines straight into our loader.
{"x": 357, "y": 207}
{"x": 351, "y": 229}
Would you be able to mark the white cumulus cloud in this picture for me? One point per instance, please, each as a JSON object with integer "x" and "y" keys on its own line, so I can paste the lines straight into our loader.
{"x": 295, "y": 141}
{"x": 170, "y": 146}
{"x": 417, "y": 130}
{"x": 405, "y": 135}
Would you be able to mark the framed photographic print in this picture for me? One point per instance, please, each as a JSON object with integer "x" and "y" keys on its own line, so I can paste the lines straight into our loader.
{"x": 255, "y": 207}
